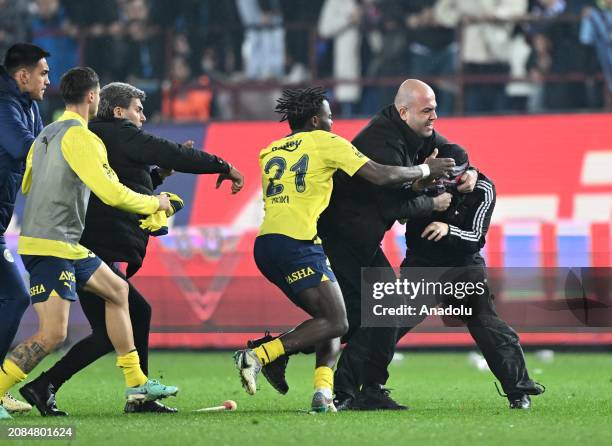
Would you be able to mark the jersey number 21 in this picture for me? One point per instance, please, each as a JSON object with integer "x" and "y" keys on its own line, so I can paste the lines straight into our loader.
{"x": 300, "y": 168}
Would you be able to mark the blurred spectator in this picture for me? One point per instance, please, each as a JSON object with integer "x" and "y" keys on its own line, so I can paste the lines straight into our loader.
{"x": 520, "y": 93}
{"x": 184, "y": 16}
{"x": 596, "y": 29}
{"x": 546, "y": 9}
{"x": 300, "y": 12}
{"x": 559, "y": 38}
{"x": 143, "y": 53}
{"x": 340, "y": 21}
{"x": 263, "y": 47}
{"x": 538, "y": 65}
{"x": 485, "y": 46}
{"x": 181, "y": 18}
{"x": 136, "y": 10}
{"x": 99, "y": 22}
{"x": 206, "y": 24}
{"x": 52, "y": 30}
{"x": 297, "y": 72}
{"x": 220, "y": 30}
{"x": 142, "y": 41}
{"x": 374, "y": 49}
{"x": 13, "y": 27}
{"x": 211, "y": 68}
{"x": 184, "y": 100}
{"x": 209, "y": 64}
{"x": 182, "y": 48}
{"x": 432, "y": 50}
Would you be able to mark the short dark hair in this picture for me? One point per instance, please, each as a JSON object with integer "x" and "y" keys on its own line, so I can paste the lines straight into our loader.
{"x": 76, "y": 82}
{"x": 297, "y": 106}
{"x": 23, "y": 55}
{"x": 117, "y": 94}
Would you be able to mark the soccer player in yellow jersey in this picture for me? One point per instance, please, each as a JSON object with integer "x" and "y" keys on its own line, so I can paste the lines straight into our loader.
{"x": 66, "y": 162}
{"x": 297, "y": 182}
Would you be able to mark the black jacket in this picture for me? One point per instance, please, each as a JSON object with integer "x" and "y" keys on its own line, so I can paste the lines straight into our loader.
{"x": 115, "y": 235}
{"x": 468, "y": 217}
{"x": 359, "y": 212}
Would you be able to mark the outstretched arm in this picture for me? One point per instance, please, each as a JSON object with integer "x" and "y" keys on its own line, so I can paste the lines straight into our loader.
{"x": 382, "y": 175}
{"x": 87, "y": 157}
{"x": 148, "y": 149}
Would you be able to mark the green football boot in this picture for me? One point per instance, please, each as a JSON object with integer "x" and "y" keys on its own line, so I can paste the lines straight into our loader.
{"x": 152, "y": 390}
{"x": 322, "y": 404}
{"x": 4, "y": 415}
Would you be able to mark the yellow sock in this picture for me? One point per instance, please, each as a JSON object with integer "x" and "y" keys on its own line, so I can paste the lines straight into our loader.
{"x": 10, "y": 375}
{"x": 323, "y": 378}
{"x": 269, "y": 351}
{"x": 130, "y": 364}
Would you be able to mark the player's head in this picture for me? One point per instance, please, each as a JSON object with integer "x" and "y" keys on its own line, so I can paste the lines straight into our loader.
{"x": 122, "y": 101}
{"x": 80, "y": 86}
{"x": 26, "y": 64}
{"x": 415, "y": 102}
{"x": 305, "y": 109}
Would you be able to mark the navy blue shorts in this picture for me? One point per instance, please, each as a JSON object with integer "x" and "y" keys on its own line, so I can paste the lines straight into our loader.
{"x": 62, "y": 275}
{"x": 292, "y": 265}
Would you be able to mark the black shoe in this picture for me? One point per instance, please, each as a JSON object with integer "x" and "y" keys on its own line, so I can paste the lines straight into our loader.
{"x": 524, "y": 402}
{"x": 41, "y": 394}
{"x": 343, "y": 401}
{"x": 274, "y": 372}
{"x": 375, "y": 398}
{"x": 539, "y": 389}
{"x": 148, "y": 406}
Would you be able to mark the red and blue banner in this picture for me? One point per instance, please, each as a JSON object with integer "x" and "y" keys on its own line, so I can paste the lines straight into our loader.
{"x": 553, "y": 176}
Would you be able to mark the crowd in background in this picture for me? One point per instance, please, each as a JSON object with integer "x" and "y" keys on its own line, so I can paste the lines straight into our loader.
{"x": 192, "y": 56}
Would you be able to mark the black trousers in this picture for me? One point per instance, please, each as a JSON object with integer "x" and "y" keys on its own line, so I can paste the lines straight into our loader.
{"x": 368, "y": 353}
{"x": 97, "y": 344}
{"x": 346, "y": 262}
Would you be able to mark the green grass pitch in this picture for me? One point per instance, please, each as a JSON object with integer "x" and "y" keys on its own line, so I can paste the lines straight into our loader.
{"x": 451, "y": 403}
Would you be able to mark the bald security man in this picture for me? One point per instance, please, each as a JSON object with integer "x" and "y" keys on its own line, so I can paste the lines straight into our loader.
{"x": 356, "y": 220}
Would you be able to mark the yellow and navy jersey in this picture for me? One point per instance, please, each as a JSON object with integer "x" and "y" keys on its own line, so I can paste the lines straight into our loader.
{"x": 56, "y": 202}
{"x": 297, "y": 180}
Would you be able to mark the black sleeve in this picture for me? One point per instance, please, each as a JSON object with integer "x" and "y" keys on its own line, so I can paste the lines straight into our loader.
{"x": 470, "y": 237}
{"x": 398, "y": 204}
{"x": 149, "y": 149}
{"x": 156, "y": 178}
{"x": 414, "y": 205}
